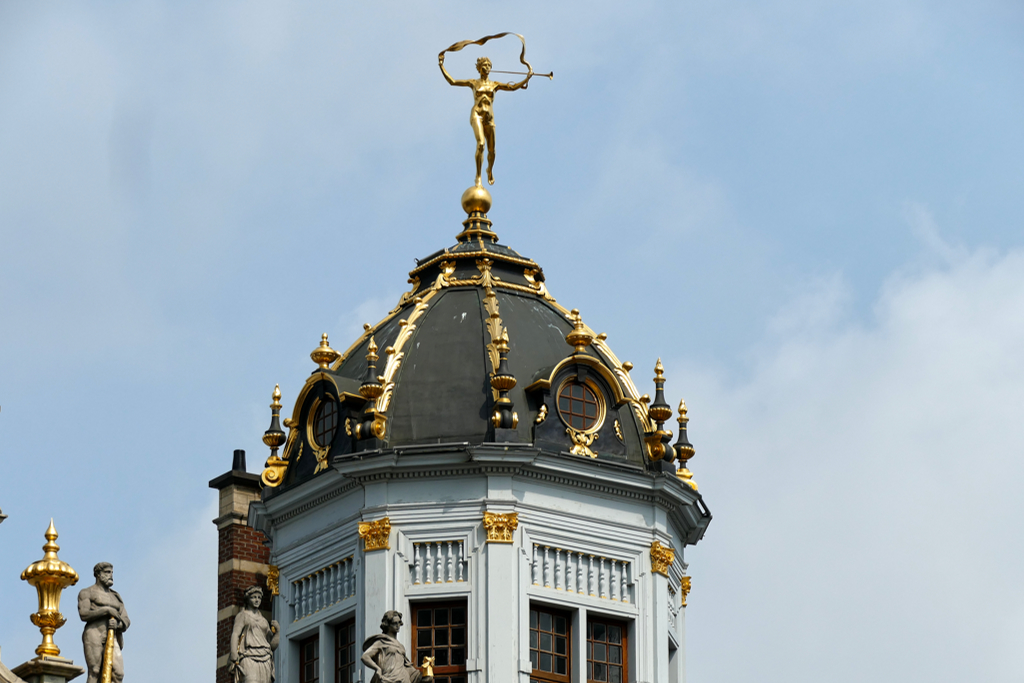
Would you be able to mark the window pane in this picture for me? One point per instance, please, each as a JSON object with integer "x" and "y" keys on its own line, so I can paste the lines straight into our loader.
{"x": 423, "y": 617}
{"x": 545, "y": 642}
{"x": 615, "y": 674}
{"x": 458, "y": 615}
{"x": 599, "y": 652}
{"x": 590, "y": 410}
{"x": 458, "y": 656}
{"x": 441, "y": 638}
{"x": 533, "y": 618}
{"x": 458, "y": 636}
{"x": 545, "y": 621}
{"x": 545, "y": 662}
{"x": 441, "y": 617}
{"x": 560, "y": 665}
{"x": 600, "y": 672}
{"x": 560, "y": 623}
{"x": 560, "y": 645}
{"x": 614, "y": 634}
{"x": 577, "y": 390}
{"x": 423, "y": 638}
{"x": 599, "y": 632}
{"x": 533, "y": 640}
{"x": 615, "y": 654}
{"x": 442, "y": 657}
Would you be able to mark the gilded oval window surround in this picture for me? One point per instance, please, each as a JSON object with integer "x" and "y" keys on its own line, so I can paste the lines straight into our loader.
{"x": 323, "y": 423}
{"x": 580, "y": 405}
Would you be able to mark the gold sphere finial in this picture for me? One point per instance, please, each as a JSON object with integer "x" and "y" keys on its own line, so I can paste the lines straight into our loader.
{"x": 476, "y": 200}
{"x": 324, "y": 355}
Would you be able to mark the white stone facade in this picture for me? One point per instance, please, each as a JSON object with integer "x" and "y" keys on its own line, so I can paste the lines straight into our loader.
{"x": 582, "y": 547}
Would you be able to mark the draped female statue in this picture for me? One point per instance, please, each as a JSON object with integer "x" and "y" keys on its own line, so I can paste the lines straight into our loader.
{"x": 253, "y": 641}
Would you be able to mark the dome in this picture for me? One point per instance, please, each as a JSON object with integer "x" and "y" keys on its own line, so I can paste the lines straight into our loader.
{"x": 477, "y": 351}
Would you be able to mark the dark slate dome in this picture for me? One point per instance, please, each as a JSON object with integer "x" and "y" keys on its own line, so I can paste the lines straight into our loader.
{"x": 477, "y": 351}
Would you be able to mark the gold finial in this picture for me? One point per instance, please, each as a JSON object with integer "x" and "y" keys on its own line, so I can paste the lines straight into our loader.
{"x": 684, "y": 449}
{"x": 276, "y": 405}
{"x": 50, "y": 576}
{"x": 372, "y": 386}
{"x": 579, "y": 336}
{"x": 371, "y": 350}
{"x": 324, "y": 355}
{"x": 502, "y": 344}
{"x": 682, "y": 419}
{"x": 627, "y": 366}
{"x": 659, "y": 372}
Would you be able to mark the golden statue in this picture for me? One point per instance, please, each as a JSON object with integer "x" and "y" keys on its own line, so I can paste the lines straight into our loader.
{"x": 481, "y": 118}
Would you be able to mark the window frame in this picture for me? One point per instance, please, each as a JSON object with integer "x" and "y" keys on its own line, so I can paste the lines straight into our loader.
{"x": 536, "y": 675}
{"x": 444, "y": 671}
{"x": 341, "y": 633}
{"x": 315, "y": 640}
{"x": 313, "y": 419}
{"x": 588, "y": 657}
{"x": 599, "y": 399}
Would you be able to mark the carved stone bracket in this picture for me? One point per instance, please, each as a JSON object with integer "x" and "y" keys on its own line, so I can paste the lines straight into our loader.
{"x": 501, "y": 527}
{"x": 375, "y": 535}
{"x": 662, "y": 557}
{"x": 684, "y": 584}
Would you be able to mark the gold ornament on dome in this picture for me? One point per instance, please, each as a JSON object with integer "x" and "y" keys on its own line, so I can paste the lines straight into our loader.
{"x": 274, "y": 580}
{"x": 50, "y": 576}
{"x": 324, "y": 355}
{"x": 662, "y": 557}
{"x": 482, "y": 115}
{"x": 580, "y": 336}
{"x": 500, "y": 526}
{"x": 581, "y": 442}
{"x": 376, "y": 535}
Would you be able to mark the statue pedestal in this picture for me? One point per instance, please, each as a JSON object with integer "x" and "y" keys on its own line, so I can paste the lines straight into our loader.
{"x": 48, "y": 670}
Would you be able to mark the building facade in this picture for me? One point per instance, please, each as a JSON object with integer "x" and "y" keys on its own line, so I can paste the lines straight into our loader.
{"x": 482, "y": 462}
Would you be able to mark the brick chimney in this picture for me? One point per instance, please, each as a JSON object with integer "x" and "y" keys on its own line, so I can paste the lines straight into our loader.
{"x": 243, "y": 559}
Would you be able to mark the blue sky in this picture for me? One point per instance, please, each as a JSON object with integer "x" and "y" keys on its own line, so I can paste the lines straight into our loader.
{"x": 810, "y": 210}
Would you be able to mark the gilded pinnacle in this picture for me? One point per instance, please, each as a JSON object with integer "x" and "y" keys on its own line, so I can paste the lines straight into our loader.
{"x": 659, "y": 372}
{"x": 682, "y": 419}
{"x": 276, "y": 405}
{"x": 371, "y": 350}
{"x": 579, "y": 337}
{"x": 324, "y": 355}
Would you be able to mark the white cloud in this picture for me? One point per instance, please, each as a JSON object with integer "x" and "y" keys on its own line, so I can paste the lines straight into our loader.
{"x": 865, "y": 485}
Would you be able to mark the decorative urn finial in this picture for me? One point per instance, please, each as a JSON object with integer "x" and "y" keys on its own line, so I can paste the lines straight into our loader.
{"x": 324, "y": 355}
{"x": 502, "y": 382}
{"x": 684, "y": 449}
{"x": 659, "y": 411}
{"x": 579, "y": 336}
{"x": 371, "y": 387}
{"x": 275, "y": 467}
{"x": 50, "y": 576}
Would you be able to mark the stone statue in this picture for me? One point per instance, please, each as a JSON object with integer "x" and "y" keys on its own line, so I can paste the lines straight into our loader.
{"x": 386, "y": 656}
{"x": 253, "y": 642}
{"x": 106, "y": 620}
{"x": 481, "y": 117}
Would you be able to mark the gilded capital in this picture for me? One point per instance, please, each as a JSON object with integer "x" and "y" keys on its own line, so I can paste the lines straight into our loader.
{"x": 684, "y": 585}
{"x": 662, "y": 557}
{"x": 274, "y": 580}
{"x": 501, "y": 527}
{"x": 376, "y": 535}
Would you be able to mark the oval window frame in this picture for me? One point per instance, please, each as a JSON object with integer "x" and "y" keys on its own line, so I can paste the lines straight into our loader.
{"x": 314, "y": 408}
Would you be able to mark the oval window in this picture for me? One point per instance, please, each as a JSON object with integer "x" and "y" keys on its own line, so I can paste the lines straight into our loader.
{"x": 325, "y": 424}
{"x": 579, "y": 406}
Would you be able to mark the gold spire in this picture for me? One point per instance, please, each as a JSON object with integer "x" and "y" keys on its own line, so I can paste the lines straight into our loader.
{"x": 50, "y": 576}
{"x": 371, "y": 387}
{"x": 684, "y": 449}
{"x": 276, "y": 396}
{"x": 324, "y": 355}
{"x": 659, "y": 372}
